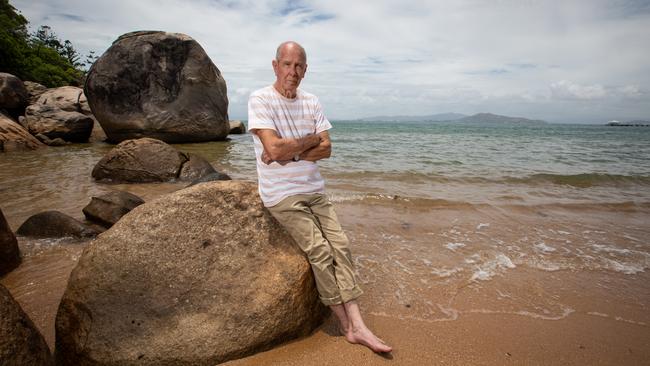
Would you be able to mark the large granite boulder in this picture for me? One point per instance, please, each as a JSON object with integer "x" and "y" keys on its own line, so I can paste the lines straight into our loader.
{"x": 13, "y": 94}
{"x": 196, "y": 277}
{"x": 13, "y": 137}
{"x": 9, "y": 252}
{"x": 20, "y": 342}
{"x": 55, "y": 224}
{"x": 61, "y": 113}
{"x": 108, "y": 208}
{"x": 160, "y": 85}
{"x": 149, "y": 160}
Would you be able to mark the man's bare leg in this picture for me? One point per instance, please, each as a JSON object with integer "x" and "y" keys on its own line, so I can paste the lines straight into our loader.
{"x": 358, "y": 333}
{"x": 344, "y": 322}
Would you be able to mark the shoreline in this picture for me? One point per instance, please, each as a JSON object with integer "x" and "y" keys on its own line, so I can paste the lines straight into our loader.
{"x": 457, "y": 285}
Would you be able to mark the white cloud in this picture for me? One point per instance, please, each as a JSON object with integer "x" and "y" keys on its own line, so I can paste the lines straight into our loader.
{"x": 568, "y": 90}
{"x": 540, "y": 59}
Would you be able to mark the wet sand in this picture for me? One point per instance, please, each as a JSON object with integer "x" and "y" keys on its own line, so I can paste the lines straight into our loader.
{"x": 457, "y": 284}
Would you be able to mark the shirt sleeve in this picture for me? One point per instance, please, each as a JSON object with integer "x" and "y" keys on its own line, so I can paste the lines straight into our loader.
{"x": 322, "y": 124}
{"x": 259, "y": 116}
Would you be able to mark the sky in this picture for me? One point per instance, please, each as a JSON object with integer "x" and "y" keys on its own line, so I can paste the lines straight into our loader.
{"x": 560, "y": 61}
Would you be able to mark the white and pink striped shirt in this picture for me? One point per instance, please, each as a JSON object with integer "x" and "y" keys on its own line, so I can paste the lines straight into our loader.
{"x": 290, "y": 118}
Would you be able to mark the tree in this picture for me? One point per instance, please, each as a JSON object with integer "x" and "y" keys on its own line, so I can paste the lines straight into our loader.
{"x": 13, "y": 38}
{"x": 40, "y": 57}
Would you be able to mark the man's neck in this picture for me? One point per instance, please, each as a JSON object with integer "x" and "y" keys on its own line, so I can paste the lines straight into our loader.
{"x": 287, "y": 93}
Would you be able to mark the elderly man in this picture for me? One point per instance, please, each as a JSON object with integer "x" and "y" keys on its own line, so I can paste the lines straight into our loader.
{"x": 290, "y": 135}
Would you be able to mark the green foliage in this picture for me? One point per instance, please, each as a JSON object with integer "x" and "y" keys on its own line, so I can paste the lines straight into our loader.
{"x": 41, "y": 57}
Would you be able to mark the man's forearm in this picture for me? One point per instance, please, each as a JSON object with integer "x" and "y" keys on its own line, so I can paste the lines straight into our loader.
{"x": 286, "y": 148}
{"x": 316, "y": 153}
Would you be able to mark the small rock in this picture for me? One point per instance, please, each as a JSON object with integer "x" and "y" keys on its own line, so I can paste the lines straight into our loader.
{"x": 107, "y": 209}
{"x": 195, "y": 168}
{"x": 54, "y": 224}
{"x": 237, "y": 128}
{"x": 210, "y": 178}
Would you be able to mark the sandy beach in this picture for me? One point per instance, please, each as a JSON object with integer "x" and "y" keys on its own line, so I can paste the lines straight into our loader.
{"x": 526, "y": 305}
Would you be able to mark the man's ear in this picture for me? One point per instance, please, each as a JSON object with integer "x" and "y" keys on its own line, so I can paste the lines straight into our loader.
{"x": 274, "y": 63}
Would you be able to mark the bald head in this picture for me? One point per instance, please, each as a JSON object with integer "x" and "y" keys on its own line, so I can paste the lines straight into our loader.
{"x": 287, "y": 46}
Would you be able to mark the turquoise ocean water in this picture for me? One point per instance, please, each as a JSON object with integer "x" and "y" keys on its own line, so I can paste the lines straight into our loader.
{"x": 480, "y": 163}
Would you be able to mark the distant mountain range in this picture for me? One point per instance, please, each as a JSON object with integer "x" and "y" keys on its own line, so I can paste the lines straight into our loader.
{"x": 429, "y": 118}
{"x": 480, "y": 118}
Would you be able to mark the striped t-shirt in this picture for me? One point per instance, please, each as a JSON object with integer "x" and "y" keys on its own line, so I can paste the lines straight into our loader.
{"x": 290, "y": 118}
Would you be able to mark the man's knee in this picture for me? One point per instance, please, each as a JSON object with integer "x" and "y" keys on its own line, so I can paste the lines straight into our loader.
{"x": 319, "y": 253}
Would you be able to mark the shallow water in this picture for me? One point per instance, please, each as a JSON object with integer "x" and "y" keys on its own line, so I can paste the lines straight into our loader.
{"x": 442, "y": 262}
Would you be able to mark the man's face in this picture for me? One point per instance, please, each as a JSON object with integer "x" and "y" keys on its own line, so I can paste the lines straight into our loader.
{"x": 289, "y": 69}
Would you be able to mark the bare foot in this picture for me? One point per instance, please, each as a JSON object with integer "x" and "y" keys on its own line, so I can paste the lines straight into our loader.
{"x": 365, "y": 337}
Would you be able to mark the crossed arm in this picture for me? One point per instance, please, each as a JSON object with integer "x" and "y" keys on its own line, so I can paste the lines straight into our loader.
{"x": 283, "y": 150}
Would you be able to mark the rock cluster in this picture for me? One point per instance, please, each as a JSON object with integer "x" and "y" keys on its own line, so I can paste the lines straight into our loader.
{"x": 148, "y": 84}
{"x": 60, "y": 113}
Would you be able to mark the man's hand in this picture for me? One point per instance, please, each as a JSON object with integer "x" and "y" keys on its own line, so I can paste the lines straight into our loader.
{"x": 322, "y": 151}
{"x": 266, "y": 159}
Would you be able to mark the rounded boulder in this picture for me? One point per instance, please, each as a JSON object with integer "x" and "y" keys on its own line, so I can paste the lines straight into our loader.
{"x": 13, "y": 94}
{"x": 198, "y": 277}
{"x": 13, "y": 137}
{"x": 20, "y": 341}
{"x": 160, "y": 85}
{"x": 9, "y": 251}
{"x": 140, "y": 161}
